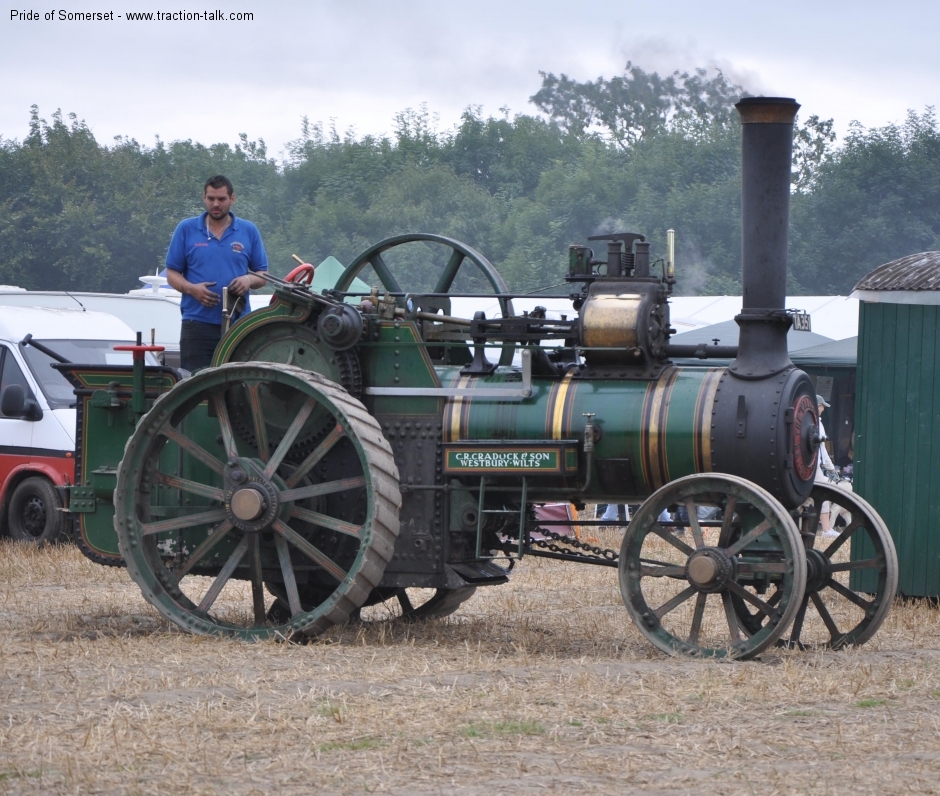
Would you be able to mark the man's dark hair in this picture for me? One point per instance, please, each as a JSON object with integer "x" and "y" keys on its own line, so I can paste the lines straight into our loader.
{"x": 219, "y": 182}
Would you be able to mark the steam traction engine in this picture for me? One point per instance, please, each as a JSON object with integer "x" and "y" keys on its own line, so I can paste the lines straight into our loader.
{"x": 339, "y": 454}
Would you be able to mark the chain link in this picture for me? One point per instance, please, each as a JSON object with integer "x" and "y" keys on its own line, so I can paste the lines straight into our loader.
{"x": 594, "y": 552}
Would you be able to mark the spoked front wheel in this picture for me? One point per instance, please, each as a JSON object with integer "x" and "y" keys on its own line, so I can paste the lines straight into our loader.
{"x": 681, "y": 584}
{"x": 852, "y": 575}
{"x": 217, "y": 526}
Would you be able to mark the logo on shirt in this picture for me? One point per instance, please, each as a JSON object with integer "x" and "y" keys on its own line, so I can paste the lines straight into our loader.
{"x": 237, "y": 247}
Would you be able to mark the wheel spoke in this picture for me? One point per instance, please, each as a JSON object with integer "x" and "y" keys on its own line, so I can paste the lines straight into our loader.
{"x": 675, "y": 602}
{"x": 257, "y": 418}
{"x": 842, "y": 538}
{"x": 849, "y": 595}
{"x": 797, "y": 628}
{"x": 659, "y": 571}
{"x": 219, "y": 583}
{"x": 731, "y": 616}
{"x": 724, "y": 538}
{"x": 324, "y": 521}
{"x": 826, "y": 616}
{"x": 215, "y": 536}
{"x": 194, "y": 450}
{"x": 287, "y": 572}
{"x": 187, "y": 521}
{"x": 692, "y": 511}
{"x": 403, "y": 599}
{"x": 257, "y": 584}
{"x": 309, "y": 550}
{"x": 697, "y": 616}
{"x": 450, "y": 272}
{"x": 225, "y": 425}
{"x": 321, "y": 450}
{"x": 663, "y": 534}
{"x": 753, "y": 534}
{"x": 384, "y": 275}
{"x": 753, "y": 599}
{"x": 850, "y": 566}
{"x": 290, "y": 436}
{"x": 190, "y": 486}
{"x": 328, "y": 488}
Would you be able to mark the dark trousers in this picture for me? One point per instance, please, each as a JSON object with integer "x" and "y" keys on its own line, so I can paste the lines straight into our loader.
{"x": 197, "y": 344}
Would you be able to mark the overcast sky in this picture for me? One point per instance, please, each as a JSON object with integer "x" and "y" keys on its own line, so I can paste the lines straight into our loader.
{"x": 361, "y": 61}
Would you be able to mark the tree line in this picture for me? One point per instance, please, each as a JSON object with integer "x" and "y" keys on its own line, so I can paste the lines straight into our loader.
{"x": 637, "y": 152}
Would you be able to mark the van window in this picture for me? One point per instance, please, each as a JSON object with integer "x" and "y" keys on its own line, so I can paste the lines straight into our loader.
{"x": 10, "y": 372}
{"x": 59, "y": 393}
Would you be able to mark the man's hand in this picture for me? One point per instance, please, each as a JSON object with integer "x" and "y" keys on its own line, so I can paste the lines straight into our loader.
{"x": 240, "y": 285}
{"x": 200, "y": 291}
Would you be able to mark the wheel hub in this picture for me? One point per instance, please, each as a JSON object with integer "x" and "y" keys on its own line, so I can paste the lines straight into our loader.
{"x": 709, "y": 569}
{"x": 251, "y": 500}
{"x": 247, "y": 504}
{"x": 817, "y": 570}
{"x": 34, "y": 516}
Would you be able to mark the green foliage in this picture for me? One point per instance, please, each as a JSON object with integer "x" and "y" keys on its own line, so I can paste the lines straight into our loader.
{"x": 637, "y": 105}
{"x": 637, "y": 152}
{"x": 875, "y": 199}
{"x": 75, "y": 215}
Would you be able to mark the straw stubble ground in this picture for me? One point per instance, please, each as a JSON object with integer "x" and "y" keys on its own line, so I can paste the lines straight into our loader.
{"x": 541, "y": 685}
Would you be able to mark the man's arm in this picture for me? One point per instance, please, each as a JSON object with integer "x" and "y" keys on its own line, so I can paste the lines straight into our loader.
{"x": 199, "y": 290}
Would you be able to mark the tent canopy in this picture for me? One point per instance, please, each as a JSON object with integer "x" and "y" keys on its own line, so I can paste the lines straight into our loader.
{"x": 726, "y": 333}
{"x": 836, "y": 354}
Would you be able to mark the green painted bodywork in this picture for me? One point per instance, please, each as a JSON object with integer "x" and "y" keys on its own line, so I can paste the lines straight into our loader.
{"x": 399, "y": 359}
{"x": 618, "y": 409}
{"x": 107, "y": 420}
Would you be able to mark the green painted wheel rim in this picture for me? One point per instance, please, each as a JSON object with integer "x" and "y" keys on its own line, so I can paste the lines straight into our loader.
{"x": 683, "y": 617}
{"x": 329, "y": 520}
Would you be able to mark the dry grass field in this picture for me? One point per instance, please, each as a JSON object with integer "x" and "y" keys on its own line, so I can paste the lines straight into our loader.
{"x": 539, "y": 686}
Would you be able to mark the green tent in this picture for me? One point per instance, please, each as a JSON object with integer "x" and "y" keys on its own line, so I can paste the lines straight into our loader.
{"x": 834, "y": 354}
{"x": 328, "y": 273}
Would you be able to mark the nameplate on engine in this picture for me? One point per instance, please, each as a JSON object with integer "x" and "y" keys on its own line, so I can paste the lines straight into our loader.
{"x": 802, "y": 322}
{"x": 491, "y": 458}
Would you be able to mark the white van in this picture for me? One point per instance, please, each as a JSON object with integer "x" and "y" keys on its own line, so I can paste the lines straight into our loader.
{"x": 37, "y": 411}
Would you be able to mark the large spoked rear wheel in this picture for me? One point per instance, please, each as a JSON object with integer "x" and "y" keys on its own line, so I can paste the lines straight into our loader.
{"x": 681, "y": 578}
{"x": 218, "y": 528}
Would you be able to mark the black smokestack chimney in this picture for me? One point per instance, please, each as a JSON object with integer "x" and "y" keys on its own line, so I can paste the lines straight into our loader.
{"x": 766, "y": 157}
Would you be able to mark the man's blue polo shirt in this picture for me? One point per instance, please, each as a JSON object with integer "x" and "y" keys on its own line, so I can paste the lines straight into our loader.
{"x": 200, "y": 257}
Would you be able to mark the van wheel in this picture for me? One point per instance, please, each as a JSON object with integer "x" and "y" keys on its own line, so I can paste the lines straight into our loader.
{"x": 34, "y": 514}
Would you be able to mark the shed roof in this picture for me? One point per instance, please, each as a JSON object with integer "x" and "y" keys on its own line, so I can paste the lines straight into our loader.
{"x": 914, "y": 279}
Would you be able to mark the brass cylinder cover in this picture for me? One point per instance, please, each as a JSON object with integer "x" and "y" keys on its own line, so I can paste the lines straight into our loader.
{"x": 610, "y": 320}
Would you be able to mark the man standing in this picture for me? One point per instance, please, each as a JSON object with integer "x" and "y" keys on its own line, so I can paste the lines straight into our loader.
{"x": 207, "y": 253}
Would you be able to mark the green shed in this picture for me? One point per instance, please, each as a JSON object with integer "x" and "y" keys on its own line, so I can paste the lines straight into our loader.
{"x": 897, "y": 448}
